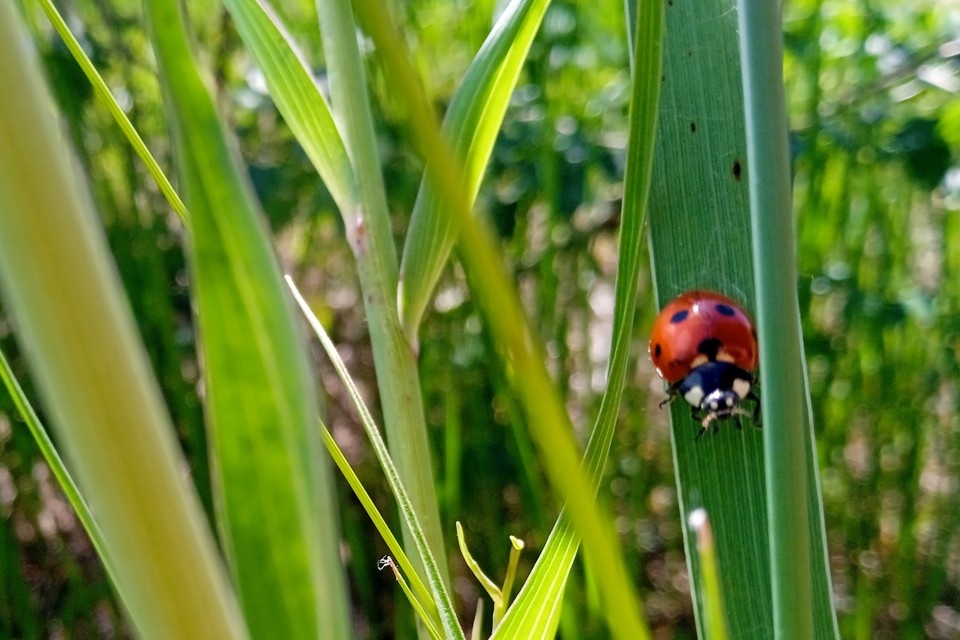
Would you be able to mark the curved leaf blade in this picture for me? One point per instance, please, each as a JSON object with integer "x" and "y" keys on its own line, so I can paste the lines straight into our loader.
{"x": 472, "y": 124}
{"x": 296, "y": 95}
{"x": 274, "y": 503}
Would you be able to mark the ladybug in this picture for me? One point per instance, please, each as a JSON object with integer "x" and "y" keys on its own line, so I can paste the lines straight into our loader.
{"x": 704, "y": 345}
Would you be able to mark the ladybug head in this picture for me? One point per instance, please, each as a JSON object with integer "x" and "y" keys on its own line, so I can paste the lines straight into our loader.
{"x": 723, "y": 403}
{"x": 715, "y": 391}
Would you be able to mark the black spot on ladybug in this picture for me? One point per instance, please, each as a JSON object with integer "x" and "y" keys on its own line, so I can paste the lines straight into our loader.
{"x": 737, "y": 169}
{"x": 679, "y": 317}
{"x": 709, "y": 347}
{"x": 693, "y": 127}
{"x": 725, "y": 310}
{"x": 657, "y": 350}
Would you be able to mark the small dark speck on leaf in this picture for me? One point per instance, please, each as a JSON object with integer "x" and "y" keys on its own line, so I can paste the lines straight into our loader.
{"x": 693, "y": 127}
{"x": 737, "y": 169}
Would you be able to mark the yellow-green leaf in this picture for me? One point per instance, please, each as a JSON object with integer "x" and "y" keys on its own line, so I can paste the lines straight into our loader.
{"x": 63, "y": 293}
{"x": 274, "y": 498}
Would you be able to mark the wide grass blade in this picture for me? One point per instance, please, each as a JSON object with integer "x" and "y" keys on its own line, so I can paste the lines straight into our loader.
{"x": 498, "y": 299}
{"x": 700, "y": 238}
{"x": 274, "y": 499}
{"x": 471, "y": 123}
{"x": 64, "y": 296}
{"x": 800, "y": 573}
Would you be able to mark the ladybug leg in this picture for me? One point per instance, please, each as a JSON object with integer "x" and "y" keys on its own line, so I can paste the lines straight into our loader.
{"x": 672, "y": 392}
{"x": 737, "y": 423}
{"x": 695, "y": 413}
{"x": 756, "y": 408}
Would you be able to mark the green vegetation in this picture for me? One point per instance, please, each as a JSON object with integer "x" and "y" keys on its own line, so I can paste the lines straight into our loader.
{"x": 492, "y": 364}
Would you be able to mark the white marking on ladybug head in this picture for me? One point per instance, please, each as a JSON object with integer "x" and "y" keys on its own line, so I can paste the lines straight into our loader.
{"x": 723, "y": 356}
{"x": 699, "y": 360}
{"x": 729, "y": 401}
{"x": 694, "y": 396}
{"x": 741, "y": 387}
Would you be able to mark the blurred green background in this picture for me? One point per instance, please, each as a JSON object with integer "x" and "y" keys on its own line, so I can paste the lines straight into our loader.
{"x": 874, "y": 96}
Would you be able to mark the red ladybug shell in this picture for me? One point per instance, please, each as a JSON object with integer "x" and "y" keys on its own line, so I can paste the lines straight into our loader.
{"x": 698, "y": 327}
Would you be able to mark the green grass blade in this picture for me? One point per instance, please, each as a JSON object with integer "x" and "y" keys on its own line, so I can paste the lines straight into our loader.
{"x": 441, "y": 596}
{"x": 498, "y": 299}
{"x": 516, "y": 546}
{"x": 275, "y": 503}
{"x": 59, "y": 470}
{"x": 472, "y": 123}
{"x": 64, "y": 296}
{"x": 700, "y": 238}
{"x": 546, "y": 582}
{"x": 296, "y": 95}
{"x": 715, "y": 617}
{"x": 802, "y": 604}
{"x": 370, "y": 235}
{"x": 488, "y": 585}
{"x": 86, "y": 65}
{"x": 412, "y": 599}
{"x": 381, "y": 525}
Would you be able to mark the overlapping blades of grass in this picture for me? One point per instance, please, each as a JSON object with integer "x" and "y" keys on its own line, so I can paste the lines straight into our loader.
{"x": 498, "y": 299}
{"x": 274, "y": 503}
{"x": 370, "y": 234}
{"x": 344, "y": 152}
{"x": 544, "y": 587}
{"x": 472, "y": 123}
{"x": 700, "y": 238}
{"x": 440, "y": 605}
{"x": 63, "y": 293}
